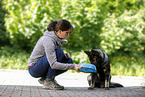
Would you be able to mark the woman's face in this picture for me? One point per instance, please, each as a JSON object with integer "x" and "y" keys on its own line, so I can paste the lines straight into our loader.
{"x": 63, "y": 34}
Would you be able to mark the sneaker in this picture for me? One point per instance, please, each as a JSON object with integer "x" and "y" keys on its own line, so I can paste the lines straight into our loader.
{"x": 50, "y": 83}
{"x": 42, "y": 80}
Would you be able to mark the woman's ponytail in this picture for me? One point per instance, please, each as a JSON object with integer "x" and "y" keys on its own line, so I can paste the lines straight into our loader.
{"x": 52, "y": 26}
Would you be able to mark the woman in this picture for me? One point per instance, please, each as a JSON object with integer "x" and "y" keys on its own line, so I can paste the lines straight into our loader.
{"x": 47, "y": 59}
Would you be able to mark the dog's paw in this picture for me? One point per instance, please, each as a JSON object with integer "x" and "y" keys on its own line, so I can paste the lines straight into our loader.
{"x": 106, "y": 88}
{"x": 90, "y": 88}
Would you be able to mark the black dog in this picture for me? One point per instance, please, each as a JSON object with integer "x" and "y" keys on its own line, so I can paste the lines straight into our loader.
{"x": 102, "y": 77}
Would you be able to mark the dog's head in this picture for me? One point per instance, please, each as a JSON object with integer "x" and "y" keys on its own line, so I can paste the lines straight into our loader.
{"x": 95, "y": 56}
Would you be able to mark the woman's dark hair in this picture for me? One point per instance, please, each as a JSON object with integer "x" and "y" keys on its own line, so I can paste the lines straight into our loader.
{"x": 62, "y": 25}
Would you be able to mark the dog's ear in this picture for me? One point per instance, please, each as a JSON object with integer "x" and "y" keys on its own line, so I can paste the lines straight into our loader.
{"x": 88, "y": 52}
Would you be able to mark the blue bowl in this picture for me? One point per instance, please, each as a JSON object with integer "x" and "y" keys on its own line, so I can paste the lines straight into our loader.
{"x": 88, "y": 68}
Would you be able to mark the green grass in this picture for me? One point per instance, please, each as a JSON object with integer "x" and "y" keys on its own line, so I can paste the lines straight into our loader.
{"x": 120, "y": 65}
{"x": 130, "y": 66}
{"x": 13, "y": 58}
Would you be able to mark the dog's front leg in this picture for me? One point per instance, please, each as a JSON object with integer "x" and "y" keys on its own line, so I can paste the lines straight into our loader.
{"x": 92, "y": 81}
{"x": 107, "y": 82}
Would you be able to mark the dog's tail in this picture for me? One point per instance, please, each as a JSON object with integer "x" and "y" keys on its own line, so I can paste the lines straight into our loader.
{"x": 113, "y": 85}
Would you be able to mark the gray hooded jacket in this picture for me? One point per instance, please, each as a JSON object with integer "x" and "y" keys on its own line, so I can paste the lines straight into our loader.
{"x": 46, "y": 45}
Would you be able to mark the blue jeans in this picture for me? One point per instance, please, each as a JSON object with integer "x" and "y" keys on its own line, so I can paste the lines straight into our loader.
{"x": 42, "y": 67}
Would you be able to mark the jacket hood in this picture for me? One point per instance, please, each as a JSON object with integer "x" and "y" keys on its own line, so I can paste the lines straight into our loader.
{"x": 53, "y": 35}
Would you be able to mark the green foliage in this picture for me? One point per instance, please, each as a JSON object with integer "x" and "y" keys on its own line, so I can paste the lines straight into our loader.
{"x": 3, "y": 37}
{"x": 98, "y": 24}
{"x": 87, "y": 17}
{"x": 28, "y": 20}
{"x": 10, "y": 59}
{"x": 129, "y": 66}
{"x": 125, "y": 32}
{"x": 119, "y": 6}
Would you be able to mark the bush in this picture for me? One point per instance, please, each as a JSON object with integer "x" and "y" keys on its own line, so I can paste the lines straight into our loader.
{"x": 27, "y": 21}
{"x": 124, "y": 33}
{"x": 3, "y": 36}
{"x": 98, "y": 24}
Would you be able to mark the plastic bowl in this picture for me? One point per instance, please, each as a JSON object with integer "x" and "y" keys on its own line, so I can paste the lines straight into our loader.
{"x": 88, "y": 68}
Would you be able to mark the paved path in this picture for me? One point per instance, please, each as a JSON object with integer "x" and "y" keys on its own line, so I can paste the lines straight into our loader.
{"x": 18, "y": 83}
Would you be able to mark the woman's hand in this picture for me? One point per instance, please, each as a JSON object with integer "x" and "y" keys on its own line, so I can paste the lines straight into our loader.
{"x": 77, "y": 67}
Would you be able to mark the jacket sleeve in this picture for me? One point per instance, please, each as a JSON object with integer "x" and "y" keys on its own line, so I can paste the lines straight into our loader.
{"x": 49, "y": 47}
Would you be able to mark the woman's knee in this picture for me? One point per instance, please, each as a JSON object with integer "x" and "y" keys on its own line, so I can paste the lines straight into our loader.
{"x": 59, "y": 55}
{"x": 70, "y": 60}
{"x": 59, "y": 51}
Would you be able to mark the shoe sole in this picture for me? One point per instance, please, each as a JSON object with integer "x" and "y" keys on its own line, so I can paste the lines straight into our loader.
{"x": 52, "y": 88}
{"x": 41, "y": 82}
